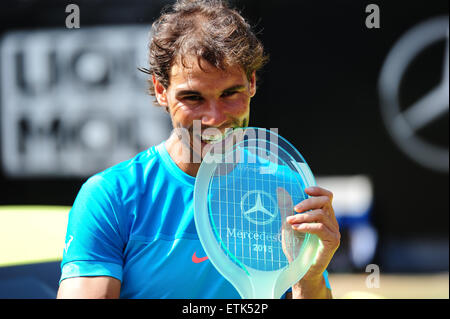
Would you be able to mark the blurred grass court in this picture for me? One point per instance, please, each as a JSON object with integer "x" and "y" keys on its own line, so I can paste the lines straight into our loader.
{"x": 392, "y": 286}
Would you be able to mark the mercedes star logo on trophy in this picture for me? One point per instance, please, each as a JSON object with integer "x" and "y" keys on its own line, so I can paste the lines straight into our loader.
{"x": 403, "y": 124}
{"x": 254, "y": 209}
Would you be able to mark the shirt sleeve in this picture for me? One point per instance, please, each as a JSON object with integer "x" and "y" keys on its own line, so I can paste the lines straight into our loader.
{"x": 327, "y": 282}
{"x": 94, "y": 244}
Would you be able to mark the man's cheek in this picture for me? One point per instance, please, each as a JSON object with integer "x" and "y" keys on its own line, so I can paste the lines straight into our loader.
{"x": 245, "y": 122}
{"x": 244, "y": 118}
{"x": 182, "y": 118}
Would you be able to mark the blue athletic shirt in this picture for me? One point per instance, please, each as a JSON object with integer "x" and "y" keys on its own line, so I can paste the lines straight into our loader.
{"x": 135, "y": 222}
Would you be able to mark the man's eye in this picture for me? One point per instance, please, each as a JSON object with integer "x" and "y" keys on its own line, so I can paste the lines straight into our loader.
{"x": 192, "y": 97}
{"x": 228, "y": 93}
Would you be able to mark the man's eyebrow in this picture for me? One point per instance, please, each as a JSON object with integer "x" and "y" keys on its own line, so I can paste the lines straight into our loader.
{"x": 235, "y": 88}
{"x": 193, "y": 92}
{"x": 187, "y": 92}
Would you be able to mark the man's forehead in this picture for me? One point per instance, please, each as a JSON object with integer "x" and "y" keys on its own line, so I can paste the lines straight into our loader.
{"x": 190, "y": 67}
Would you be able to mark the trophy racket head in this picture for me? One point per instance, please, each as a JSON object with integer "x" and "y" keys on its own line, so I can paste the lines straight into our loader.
{"x": 251, "y": 181}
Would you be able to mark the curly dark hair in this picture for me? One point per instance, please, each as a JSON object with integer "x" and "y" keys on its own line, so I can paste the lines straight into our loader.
{"x": 206, "y": 29}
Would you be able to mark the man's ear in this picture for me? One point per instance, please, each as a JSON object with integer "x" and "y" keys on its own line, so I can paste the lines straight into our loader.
{"x": 253, "y": 84}
{"x": 160, "y": 92}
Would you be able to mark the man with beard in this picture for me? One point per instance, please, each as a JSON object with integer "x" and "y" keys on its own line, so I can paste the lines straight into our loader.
{"x": 131, "y": 231}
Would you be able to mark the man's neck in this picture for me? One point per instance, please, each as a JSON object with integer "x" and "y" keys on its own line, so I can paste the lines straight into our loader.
{"x": 181, "y": 155}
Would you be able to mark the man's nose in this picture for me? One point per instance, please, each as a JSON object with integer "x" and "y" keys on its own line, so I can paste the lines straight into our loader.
{"x": 214, "y": 115}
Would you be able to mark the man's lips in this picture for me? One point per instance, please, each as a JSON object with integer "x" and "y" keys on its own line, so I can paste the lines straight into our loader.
{"x": 201, "y": 140}
{"x": 218, "y": 136}
{"x": 211, "y": 139}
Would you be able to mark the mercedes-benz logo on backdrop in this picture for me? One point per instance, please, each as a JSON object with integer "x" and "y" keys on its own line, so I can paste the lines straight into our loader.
{"x": 257, "y": 206}
{"x": 404, "y": 124}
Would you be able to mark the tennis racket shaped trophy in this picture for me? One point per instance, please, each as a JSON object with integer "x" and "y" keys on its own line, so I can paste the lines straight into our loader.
{"x": 246, "y": 187}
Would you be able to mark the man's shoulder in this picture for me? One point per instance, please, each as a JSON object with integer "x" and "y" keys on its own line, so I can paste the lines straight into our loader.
{"x": 128, "y": 172}
{"x": 141, "y": 159}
